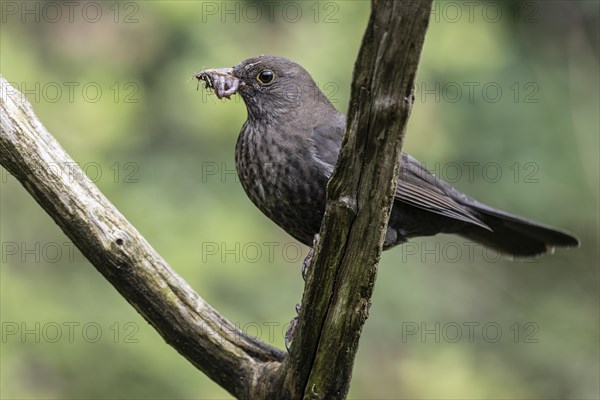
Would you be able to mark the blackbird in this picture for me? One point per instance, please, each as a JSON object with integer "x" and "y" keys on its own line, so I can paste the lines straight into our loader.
{"x": 288, "y": 146}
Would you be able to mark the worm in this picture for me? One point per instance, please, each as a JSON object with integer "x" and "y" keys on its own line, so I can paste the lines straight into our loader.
{"x": 221, "y": 81}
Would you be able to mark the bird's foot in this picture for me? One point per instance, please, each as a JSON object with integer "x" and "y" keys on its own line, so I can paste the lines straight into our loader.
{"x": 309, "y": 257}
{"x": 291, "y": 330}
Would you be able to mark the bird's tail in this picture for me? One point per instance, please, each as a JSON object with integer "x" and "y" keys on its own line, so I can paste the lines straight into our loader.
{"x": 514, "y": 235}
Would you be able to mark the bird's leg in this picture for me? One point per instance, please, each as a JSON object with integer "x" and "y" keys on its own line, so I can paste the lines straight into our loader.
{"x": 291, "y": 331}
{"x": 309, "y": 257}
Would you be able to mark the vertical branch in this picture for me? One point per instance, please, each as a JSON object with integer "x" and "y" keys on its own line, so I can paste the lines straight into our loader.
{"x": 360, "y": 194}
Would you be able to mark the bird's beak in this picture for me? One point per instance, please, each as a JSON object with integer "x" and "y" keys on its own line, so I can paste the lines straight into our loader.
{"x": 220, "y": 80}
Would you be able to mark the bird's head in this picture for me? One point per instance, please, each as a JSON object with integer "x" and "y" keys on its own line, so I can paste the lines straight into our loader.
{"x": 271, "y": 87}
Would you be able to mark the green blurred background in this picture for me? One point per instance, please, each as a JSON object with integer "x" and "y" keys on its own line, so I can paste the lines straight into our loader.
{"x": 448, "y": 321}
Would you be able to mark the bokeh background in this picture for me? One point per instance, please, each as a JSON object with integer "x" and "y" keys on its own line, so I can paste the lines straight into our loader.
{"x": 506, "y": 110}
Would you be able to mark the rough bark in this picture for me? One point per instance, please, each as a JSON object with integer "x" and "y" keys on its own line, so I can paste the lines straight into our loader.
{"x": 360, "y": 194}
{"x": 118, "y": 251}
{"x": 342, "y": 275}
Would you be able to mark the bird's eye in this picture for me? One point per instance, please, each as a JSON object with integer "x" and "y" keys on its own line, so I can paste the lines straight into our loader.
{"x": 265, "y": 77}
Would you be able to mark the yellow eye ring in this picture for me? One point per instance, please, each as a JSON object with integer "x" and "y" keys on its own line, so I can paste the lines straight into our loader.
{"x": 265, "y": 77}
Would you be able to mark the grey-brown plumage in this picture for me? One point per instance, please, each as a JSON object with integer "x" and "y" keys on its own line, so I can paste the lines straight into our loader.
{"x": 288, "y": 147}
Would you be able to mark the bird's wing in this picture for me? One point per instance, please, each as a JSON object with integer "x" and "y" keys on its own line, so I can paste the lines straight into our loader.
{"x": 416, "y": 186}
{"x": 327, "y": 141}
{"x": 420, "y": 188}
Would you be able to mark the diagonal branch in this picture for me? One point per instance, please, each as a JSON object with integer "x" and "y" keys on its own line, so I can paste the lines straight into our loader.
{"x": 118, "y": 251}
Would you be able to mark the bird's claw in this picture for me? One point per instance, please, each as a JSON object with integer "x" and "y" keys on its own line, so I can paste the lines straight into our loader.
{"x": 291, "y": 330}
{"x": 309, "y": 257}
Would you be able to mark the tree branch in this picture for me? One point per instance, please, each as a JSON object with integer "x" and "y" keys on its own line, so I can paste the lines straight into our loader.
{"x": 342, "y": 275}
{"x": 360, "y": 194}
{"x": 118, "y": 251}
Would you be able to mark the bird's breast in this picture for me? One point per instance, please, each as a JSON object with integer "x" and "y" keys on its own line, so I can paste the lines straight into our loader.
{"x": 280, "y": 176}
